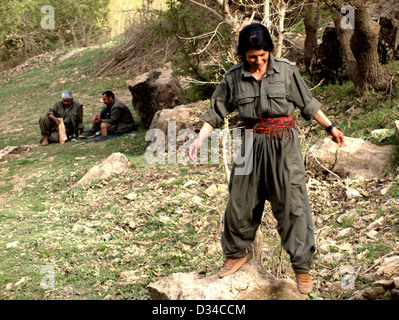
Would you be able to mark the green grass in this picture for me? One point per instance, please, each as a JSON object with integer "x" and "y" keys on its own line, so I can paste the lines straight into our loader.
{"x": 378, "y": 109}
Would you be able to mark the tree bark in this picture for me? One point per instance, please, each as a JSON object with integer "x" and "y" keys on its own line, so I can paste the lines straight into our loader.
{"x": 364, "y": 45}
{"x": 344, "y": 37}
{"x": 360, "y": 47}
{"x": 281, "y": 31}
{"x": 311, "y": 34}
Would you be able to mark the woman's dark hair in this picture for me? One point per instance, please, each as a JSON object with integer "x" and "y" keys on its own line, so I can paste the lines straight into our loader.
{"x": 254, "y": 37}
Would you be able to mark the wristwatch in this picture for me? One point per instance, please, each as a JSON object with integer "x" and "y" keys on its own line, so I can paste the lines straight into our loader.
{"x": 328, "y": 129}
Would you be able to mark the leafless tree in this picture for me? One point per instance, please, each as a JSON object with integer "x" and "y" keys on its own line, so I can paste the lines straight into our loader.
{"x": 237, "y": 14}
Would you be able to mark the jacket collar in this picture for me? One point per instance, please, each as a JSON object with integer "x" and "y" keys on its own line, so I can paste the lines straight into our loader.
{"x": 273, "y": 68}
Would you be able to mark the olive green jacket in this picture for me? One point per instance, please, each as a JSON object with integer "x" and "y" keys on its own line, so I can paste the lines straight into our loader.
{"x": 281, "y": 90}
{"x": 73, "y": 117}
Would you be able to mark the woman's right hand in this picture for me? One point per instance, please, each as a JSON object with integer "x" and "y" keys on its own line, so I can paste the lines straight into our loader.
{"x": 196, "y": 145}
{"x": 193, "y": 151}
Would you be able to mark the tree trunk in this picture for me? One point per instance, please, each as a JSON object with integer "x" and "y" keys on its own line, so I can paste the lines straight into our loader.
{"x": 364, "y": 45}
{"x": 266, "y": 15}
{"x": 311, "y": 34}
{"x": 281, "y": 30}
{"x": 344, "y": 37}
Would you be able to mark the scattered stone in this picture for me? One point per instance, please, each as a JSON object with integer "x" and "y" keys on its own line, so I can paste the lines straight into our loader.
{"x": 389, "y": 268}
{"x": 324, "y": 248}
{"x": 380, "y": 133}
{"x": 334, "y": 257}
{"x": 354, "y": 110}
{"x": 21, "y": 281}
{"x": 81, "y": 228}
{"x": 385, "y": 190}
{"x": 348, "y": 277}
{"x": 344, "y": 232}
{"x": 352, "y": 193}
{"x": 106, "y": 236}
{"x": 196, "y": 199}
{"x": 12, "y": 245}
{"x": 12, "y": 151}
{"x": 189, "y": 183}
{"x": 132, "y": 224}
{"x": 54, "y": 246}
{"x": 131, "y": 276}
{"x": 377, "y": 223}
{"x": 130, "y": 196}
{"x": 372, "y": 234}
{"x": 219, "y": 189}
{"x": 115, "y": 164}
{"x": 251, "y": 282}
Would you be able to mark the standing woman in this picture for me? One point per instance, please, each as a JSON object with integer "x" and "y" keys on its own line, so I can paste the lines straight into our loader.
{"x": 266, "y": 90}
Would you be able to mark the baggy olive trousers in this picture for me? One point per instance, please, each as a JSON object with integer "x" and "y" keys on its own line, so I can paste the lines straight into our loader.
{"x": 277, "y": 175}
{"x": 49, "y": 128}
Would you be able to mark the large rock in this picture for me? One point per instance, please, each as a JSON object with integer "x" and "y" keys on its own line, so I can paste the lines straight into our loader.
{"x": 115, "y": 164}
{"x": 188, "y": 116}
{"x": 357, "y": 158}
{"x": 154, "y": 91}
{"x": 251, "y": 282}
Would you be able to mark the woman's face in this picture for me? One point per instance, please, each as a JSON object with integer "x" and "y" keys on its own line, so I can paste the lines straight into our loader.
{"x": 257, "y": 59}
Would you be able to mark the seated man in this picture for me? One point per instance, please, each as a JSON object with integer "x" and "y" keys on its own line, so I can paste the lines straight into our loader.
{"x": 71, "y": 112}
{"x": 114, "y": 118}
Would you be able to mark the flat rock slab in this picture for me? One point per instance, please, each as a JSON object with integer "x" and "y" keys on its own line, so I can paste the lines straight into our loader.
{"x": 115, "y": 164}
{"x": 357, "y": 158}
{"x": 251, "y": 282}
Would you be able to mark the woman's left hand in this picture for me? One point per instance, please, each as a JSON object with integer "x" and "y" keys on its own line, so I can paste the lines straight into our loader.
{"x": 337, "y": 136}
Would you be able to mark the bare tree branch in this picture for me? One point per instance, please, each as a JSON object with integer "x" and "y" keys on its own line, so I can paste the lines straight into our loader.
{"x": 208, "y": 8}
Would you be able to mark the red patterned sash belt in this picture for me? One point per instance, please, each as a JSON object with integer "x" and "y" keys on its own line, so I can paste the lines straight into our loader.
{"x": 278, "y": 127}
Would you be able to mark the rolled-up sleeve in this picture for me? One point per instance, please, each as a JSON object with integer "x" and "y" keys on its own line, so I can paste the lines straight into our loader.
{"x": 221, "y": 105}
{"x": 302, "y": 97}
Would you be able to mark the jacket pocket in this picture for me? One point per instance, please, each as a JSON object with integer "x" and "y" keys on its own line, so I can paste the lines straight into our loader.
{"x": 246, "y": 106}
{"x": 277, "y": 99}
